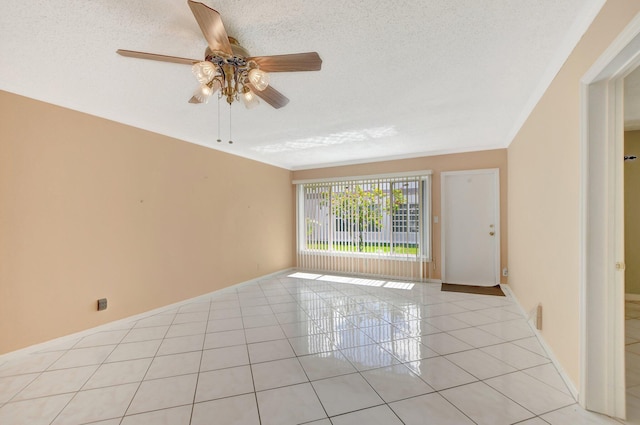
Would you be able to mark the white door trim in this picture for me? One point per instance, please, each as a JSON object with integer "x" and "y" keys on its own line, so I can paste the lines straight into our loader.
{"x": 602, "y": 374}
{"x": 443, "y": 216}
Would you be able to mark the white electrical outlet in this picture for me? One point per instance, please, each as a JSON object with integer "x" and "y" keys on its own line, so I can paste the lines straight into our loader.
{"x": 505, "y": 272}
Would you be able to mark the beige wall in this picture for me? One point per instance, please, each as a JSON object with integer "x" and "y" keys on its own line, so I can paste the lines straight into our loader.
{"x": 438, "y": 164}
{"x": 632, "y": 213}
{"x": 544, "y": 189}
{"x": 90, "y": 208}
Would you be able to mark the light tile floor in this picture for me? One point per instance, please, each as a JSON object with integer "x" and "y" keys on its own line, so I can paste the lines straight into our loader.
{"x": 289, "y": 350}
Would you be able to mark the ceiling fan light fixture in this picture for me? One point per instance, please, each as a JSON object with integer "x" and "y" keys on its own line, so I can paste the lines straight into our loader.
{"x": 250, "y": 99}
{"x": 228, "y": 69}
{"x": 204, "y": 71}
{"x": 203, "y": 93}
{"x": 259, "y": 79}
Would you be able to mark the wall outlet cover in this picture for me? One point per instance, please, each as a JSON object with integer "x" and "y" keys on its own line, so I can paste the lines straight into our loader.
{"x": 102, "y": 304}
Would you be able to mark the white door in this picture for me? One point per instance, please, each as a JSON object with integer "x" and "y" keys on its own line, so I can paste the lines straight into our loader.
{"x": 470, "y": 227}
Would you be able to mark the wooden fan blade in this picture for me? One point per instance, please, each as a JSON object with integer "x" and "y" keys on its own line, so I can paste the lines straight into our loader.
{"x": 156, "y": 57}
{"x": 194, "y": 100}
{"x": 309, "y": 61}
{"x": 272, "y": 96}
{"x": 211, "y": 26}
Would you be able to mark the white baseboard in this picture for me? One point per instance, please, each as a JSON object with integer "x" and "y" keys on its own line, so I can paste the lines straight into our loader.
{"x": 632, "y": 297}
{"x": 568, "y": 382}
{"x": 77, "y": 335}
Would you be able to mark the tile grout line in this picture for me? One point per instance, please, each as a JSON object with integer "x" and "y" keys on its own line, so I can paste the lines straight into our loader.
{"x": 253, "y": 382}
{"x": 75, "y": 393}
{"x": 438, "y": 392}
{"x": 305, "y": 372}
{"x": 148, "y": 367}
{"x": 326, "y": 296}
{"x": 204, "y": 339}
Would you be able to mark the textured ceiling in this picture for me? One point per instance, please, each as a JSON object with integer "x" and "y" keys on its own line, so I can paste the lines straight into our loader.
{"x": 399, "y": 78}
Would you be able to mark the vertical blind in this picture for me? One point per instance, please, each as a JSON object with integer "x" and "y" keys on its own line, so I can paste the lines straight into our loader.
{"x": 369, "y": 225}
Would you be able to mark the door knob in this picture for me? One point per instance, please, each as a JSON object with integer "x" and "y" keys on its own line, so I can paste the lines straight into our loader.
{"x": 492, "y": 233}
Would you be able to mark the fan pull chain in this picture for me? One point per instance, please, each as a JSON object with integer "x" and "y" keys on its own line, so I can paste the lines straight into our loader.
{"x": 230, "y": 138}
{"x": 219, "y": 139}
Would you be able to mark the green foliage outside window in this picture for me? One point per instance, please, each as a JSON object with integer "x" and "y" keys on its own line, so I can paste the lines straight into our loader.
{"x": 360, "y": 210}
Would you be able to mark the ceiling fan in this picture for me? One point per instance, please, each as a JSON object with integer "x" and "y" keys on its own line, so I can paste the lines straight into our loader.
{"x": 228, "y": 67}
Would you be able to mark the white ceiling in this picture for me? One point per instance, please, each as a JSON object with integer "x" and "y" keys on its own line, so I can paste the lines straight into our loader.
{"x": 399, "y": 78}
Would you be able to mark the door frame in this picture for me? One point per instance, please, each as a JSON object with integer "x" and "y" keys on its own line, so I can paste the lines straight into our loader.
{"x": 495, "y": 172}
{"x": 602, "y": 371}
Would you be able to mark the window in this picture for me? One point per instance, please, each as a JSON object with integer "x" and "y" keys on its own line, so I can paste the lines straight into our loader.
{"x": 381, "y": 216}
{"x": 405, "y": 219}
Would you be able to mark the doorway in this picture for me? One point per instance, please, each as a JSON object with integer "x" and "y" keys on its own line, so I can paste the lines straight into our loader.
{"x": 602, "y": 339}
{"x": 632, "y": 243}
{"x": 470, "y": 227}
